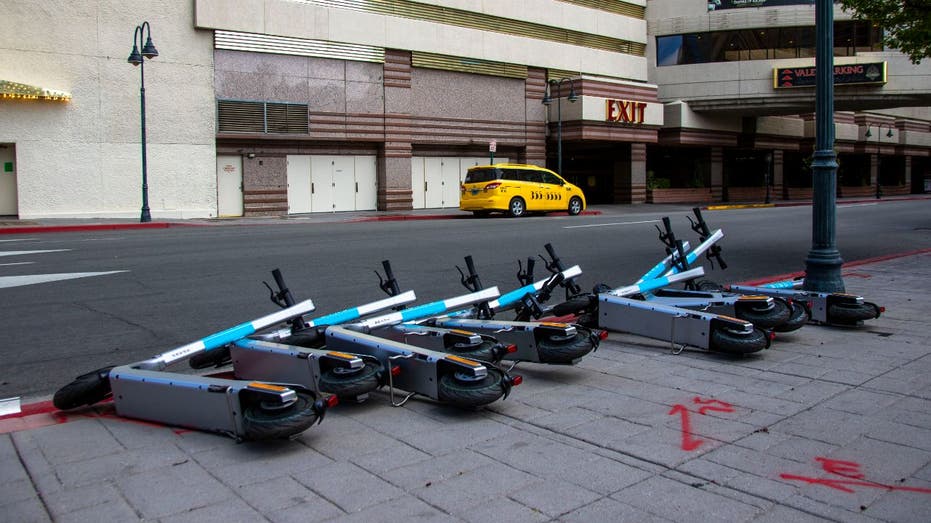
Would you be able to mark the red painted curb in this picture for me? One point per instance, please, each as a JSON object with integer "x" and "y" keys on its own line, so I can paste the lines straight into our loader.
{"x": 33, "y": 229}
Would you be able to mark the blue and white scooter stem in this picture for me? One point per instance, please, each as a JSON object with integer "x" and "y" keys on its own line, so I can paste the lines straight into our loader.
{"x": 427, "y": 310}
{"x": 225, "y": 336}
{"x": 656, "y": 283}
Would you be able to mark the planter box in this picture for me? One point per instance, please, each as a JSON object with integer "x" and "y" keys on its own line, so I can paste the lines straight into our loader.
{"x": 798, "y": 193}
{"x": 688, "y": 195}
{"x": 859, "y": 191}
{"x": 746, "y": 194}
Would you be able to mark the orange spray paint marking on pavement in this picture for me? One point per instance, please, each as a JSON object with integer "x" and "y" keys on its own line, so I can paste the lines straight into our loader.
{"x": 850, "y": 470}
{"x": 689, "y": 442}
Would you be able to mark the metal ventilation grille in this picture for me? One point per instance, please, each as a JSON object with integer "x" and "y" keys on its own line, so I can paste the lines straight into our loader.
{"x": 235, "y": 41}
{"x": 467, "y": 65}
{"x": 235, "y": 116}
{"x": 483, "y": 22}
{"x": 612, "y": 6}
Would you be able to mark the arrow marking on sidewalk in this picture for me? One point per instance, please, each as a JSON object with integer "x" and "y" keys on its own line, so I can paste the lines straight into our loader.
{"x": 32, "y": 279}
{"x": 19, "y": 253}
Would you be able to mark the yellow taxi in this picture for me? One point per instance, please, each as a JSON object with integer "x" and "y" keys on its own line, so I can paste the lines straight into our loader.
{"x": 517, "y": 189}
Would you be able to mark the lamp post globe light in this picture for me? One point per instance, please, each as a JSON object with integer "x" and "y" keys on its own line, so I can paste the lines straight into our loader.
{"x": 547, "y": 100}
{"x": 137, "y": 58}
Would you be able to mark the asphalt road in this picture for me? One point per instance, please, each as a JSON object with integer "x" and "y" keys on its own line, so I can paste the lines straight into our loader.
{"x": 181, "y": 284}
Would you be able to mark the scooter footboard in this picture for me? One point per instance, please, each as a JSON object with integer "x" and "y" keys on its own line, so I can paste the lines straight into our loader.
{"x": 654, "y": 320}
{"x": 200, "y": 402}
{"x": 418, "y": 369}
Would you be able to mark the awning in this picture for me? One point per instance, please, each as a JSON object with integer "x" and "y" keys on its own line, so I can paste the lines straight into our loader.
{"x": 10, "y": 89}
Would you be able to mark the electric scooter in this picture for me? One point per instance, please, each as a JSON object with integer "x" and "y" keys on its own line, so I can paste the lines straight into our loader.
{"x": 268, "y": 356}
{"x": 443, "y": 377}
{"x": 611, "y": 309}
{"x": 547, "y": 342}
{"x": 244, "y": 410}
{"x": 824, "y": 308}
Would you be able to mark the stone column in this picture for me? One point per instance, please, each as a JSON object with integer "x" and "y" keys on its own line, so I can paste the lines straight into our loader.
{"x": 778, "y": 192}
{"x": 908, "y": 173}
{"x": 717, "y": 174}
{"x": 394, "y": 157}
{"x": 630, "y": 175}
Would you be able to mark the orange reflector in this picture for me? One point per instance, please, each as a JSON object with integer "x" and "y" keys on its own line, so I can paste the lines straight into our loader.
{"x": 460, "y": 331}
{"x": 395, "y": 371}
{"x": 343, "y": 355}
{"x": 753, "y": 297}
{"x": 738, "y": 320}
{"x": 511, "y": 348}
{"x": 332, "y": 401}
{"x": 267, "y": 386}
{"x": 457, "y": 359}
{"x": 554, "y": 324}
{"x": 516, "y": 380}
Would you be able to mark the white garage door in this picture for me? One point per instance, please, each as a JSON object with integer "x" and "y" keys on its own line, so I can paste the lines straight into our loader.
{"x": 435, "y": 181}
{"x": 331, "y": 183}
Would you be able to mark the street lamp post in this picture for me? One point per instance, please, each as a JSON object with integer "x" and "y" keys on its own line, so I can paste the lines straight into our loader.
{"x": 547, "y": 101}
{"x": 135, "y": 58}
{"x": 823, "y": 264}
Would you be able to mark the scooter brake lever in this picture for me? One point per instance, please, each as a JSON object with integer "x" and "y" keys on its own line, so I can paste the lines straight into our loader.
{"x": 276, "y": 299}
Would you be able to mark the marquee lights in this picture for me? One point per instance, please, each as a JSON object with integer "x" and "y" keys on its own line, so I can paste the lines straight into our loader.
{"x": 17, "y": 91}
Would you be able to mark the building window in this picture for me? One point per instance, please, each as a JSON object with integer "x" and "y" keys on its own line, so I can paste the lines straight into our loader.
{"x": 237, "y": 116}
{"x": 770, "y": 43}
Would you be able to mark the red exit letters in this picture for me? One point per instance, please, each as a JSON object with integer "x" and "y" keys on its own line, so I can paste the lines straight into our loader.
{"x": 625, "y": 111}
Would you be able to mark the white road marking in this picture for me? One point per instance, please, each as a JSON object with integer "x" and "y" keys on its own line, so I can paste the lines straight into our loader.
{"x": 19, "y": 253}
{"x": 18, "y": 240}
{"x": 15, "y": 263}
{"x": 841, "y": 206}
{"x": 608, "y": 224}
{"x": 32, "y": 279}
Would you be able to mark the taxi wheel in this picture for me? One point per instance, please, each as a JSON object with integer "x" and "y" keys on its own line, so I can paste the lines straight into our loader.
{"x": 517, "y": 207}
{"x": 575, "y": 206}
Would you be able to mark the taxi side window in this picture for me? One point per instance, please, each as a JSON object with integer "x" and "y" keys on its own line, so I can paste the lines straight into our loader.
{"x": 511, "y": 174}
{"x": 551, "y": 179}
{"x": 532, "y": 176}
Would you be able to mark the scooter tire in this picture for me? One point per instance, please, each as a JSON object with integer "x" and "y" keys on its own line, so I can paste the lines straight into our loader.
{"x": 764, "y": 317}
{"x": 469, "y": 393}
{"x": 565, "y": 349}
{"x": 484, "y": 351}
{"x": 86, "y": 389}
{"x": 801, "y": 315}
{"x": 263, "y": 423}
{"x": 217, "y": 357}
{"x": 574, "y": 305}
{"x": 709, "y": 286}
{"x": 351, "y": 385}
{"x": 738, "y": 343}
{"x": 851, "y": 314}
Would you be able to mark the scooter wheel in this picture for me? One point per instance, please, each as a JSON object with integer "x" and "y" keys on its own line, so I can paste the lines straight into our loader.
{"x": 730, "y": 342}
{"x": 801, "y": 315}
{"x": 86, "y": 389}
{"x": 764, "y": 316}
{"x": 465, "y": 392}
{"x": 484, "y": 351}
{"x": 349, "y": 383}
{"x": 574, "y": 305}
{"x": 709, "y": 286}
{"x": 565, "y": 349}
{"x": 264, "y": 422}
{"x": 211, "y": 358}
{"x": 850, "y": 314}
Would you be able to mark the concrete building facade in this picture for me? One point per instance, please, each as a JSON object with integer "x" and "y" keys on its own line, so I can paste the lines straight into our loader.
{"x": 292, "y": 106}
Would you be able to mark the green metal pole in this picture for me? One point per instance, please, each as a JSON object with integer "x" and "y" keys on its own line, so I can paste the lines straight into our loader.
{"x": 823, "y": 264}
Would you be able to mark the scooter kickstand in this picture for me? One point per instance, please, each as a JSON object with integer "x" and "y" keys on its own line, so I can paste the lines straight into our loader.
{"x": 391, "y": 381}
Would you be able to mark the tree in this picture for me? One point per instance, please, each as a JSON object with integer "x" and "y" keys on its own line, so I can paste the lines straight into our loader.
{"x": 906, "y": 24}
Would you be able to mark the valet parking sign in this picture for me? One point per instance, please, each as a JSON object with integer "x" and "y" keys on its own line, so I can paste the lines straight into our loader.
{"x": 850, "y": 74}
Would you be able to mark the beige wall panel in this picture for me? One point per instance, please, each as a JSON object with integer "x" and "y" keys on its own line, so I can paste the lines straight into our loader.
{"x": 82, "y": 158}
{"x": 446, "y": 93}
